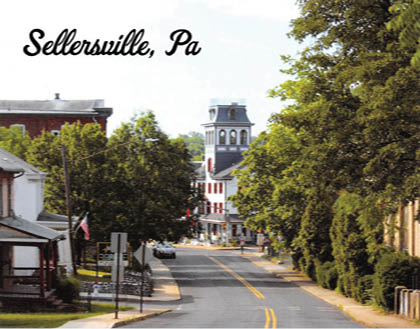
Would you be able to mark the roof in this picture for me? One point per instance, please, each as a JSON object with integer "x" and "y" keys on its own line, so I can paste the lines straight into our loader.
{"x": 234, "y": 218}
{"x": 200, "y": 172}
{"x": 11, "y": 163}
{"x": 227, "y": 173}
{"x": 48, "y": 217}
{"x": 221, "y": 115}
{"x": 30, "y": 228}
{"x": 55, "y": 106}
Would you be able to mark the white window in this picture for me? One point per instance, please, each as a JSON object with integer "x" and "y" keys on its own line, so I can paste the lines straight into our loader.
{"x": 55, "y": 132}
{"x": 20, "y": 125}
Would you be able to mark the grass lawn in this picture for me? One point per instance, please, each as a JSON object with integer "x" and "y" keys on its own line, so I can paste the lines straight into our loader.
{"x": 52, "y": 320}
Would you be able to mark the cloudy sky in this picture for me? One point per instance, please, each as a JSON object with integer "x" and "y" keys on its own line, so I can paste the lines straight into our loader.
{"x": 241, "y": 42}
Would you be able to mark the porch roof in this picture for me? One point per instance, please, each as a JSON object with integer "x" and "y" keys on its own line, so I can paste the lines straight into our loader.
{"x": 19, "y": 228}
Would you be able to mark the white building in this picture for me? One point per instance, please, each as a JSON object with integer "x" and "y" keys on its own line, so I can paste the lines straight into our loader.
{"x": 228, "y": 135}
{"x": 28, "y": 196}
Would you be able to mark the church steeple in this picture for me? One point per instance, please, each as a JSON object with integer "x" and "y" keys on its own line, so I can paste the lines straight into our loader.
{"x": 228, "y": 135}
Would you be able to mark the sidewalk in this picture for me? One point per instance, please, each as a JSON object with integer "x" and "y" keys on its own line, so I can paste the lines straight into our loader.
{"x": 165, "y": 290}
{"x": 361, "y": 313}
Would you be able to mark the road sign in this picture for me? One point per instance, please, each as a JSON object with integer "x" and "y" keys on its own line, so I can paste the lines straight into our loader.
{"x": 105, "y": 256}
{"x": 148, "y": 255}
{"x": 123, "y": 241}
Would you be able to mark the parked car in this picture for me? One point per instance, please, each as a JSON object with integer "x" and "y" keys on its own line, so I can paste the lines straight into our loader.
{"x": 164, "y": 250}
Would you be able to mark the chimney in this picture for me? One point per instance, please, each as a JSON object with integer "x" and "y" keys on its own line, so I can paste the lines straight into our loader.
{"x": 57, "y": 95}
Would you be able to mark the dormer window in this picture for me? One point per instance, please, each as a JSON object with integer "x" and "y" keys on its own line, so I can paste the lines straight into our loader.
{"x": 212, "y": 114}
{"x": 232, "y": 114}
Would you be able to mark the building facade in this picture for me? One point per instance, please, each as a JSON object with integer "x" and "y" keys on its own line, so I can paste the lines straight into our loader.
{"x": 35, "y": 116}
{"x": 227, "y": 136}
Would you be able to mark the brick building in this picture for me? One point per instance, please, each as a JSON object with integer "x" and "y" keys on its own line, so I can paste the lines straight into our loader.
{"x": 34, "y": 116}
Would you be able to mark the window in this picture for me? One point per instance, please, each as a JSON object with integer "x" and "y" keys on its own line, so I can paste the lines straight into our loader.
{"x": 220, "y": 187}
{"x": 215, "y": 208}
{"x": 221, "y": 207}
{"x": 222, "y": 137}
{"x": 232, "y": 140}
{"x": 5, "y": 197}
{"x": 209, "y": 165}
{"x": 55, "y": 132}
{"x": 19, "y": 125}
{"x": 209, "y": 188}
{"x": 215, "y": 187}
{"x": 232, "y": 114}
{"x": 212, "y": 113}
{"x": 244, "y": 139}
{"x": 203, "y": 185}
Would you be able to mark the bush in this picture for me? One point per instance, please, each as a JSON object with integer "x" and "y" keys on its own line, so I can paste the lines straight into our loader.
{"x": 392, "y": 269}
{"x": 326, "y": 275}
{"x": 363, "y": 293}
{"x": 68, "y": 289}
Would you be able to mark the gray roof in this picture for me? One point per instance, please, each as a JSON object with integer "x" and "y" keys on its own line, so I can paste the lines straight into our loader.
{"x": 11, "y": 163}
{"x": 227, "y": 173}
{"x": 200, "y": 172}
{"x": 48, "y": 217}
{"x": 31, "y": 228}
{"x": 222, "y": 115}
{"x": 234, "y": 218}
{"x": 55, "y": 106}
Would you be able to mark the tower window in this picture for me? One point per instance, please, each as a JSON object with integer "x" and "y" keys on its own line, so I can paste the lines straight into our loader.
{"x": 222, "y": 137}
{"x": 244, "y": 138}
{"x": 232, "y": 137}
{"x": 232, "y": 114}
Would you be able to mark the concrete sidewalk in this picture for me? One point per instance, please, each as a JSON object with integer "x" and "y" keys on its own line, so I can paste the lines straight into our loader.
{"x": 165, "y": 290}
{"x": 361, "y": 313}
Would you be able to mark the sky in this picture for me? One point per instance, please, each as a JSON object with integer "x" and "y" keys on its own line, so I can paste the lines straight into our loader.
{"x": 241, "y": 42}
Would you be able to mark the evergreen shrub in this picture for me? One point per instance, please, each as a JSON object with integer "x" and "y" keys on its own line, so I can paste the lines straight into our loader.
{"x": 326, "y": 275}
{"x": 68, "y": 289}
{"x": 392, "y": 269}
{"x": 363, "y": 293}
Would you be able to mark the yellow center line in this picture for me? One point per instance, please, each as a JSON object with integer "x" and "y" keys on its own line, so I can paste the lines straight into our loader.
{"x": 238, "y": 277}
{"x": 267, "y": 318}
{"x": 274, "y": 318}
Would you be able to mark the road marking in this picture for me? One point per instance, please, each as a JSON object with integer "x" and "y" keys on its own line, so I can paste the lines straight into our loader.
{"x": 274, "y": 319}
{"x": 238, "y": 277}
{"x": 267, "y": 318}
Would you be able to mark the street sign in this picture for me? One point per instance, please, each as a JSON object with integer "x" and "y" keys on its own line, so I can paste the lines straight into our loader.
{"x": 105, "y": 256}
{"x": 114, "y": 274}
{"x": 123, "y": 241}
{"x": 148, "y": 255}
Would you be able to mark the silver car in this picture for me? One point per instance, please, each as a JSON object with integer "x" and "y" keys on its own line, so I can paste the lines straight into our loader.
{"x": 165, "y": 250}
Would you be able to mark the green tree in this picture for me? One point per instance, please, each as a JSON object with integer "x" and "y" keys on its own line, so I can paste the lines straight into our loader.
{"x": 195, "y": 144}
{"x": 14, "y": 140}
{"x": 89, "y": 183}
{"x": 151, "y": 182}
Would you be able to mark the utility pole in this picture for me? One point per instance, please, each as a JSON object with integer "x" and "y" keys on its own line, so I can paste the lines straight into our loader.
{"x": 68, "y": 206}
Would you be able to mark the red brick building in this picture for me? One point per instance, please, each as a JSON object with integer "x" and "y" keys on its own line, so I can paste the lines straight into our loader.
{"x": 51, "y": 115}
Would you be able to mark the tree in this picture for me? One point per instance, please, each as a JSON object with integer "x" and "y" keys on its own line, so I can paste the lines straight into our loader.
{"x": 14, "y": 140}
{"x": 195, "y": 144}
{"x": 151, "y": 182}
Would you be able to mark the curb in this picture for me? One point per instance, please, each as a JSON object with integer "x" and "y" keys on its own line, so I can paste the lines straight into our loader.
{"x": 363, "y": 314}
{"x": 139, "y": 318}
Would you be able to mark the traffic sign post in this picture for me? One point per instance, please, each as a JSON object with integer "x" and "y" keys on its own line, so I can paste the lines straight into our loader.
{"x": 143, "y": 255}
{"x": 118, "y": 245}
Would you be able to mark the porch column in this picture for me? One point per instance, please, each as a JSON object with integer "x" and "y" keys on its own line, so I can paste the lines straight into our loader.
{"x": 41, "y": 271}
{"x": 49, "y": 281}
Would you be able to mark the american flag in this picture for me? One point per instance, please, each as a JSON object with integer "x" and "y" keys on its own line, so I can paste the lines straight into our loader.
{"x": 85, "y": 227}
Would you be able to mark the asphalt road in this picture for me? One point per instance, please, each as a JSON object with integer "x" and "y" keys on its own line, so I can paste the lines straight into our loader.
{"x": 220, "y": 289}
